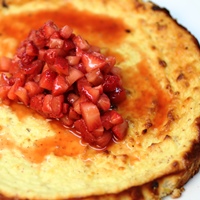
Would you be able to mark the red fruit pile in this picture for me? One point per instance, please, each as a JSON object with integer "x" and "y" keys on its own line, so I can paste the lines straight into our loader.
{"x": 61, "y": 76}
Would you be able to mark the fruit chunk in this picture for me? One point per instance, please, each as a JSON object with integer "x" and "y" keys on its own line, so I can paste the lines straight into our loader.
{"x": 91, "y": 115}
{"x": 61, "y": 76}
{"x": 5, "y": 64}
{"x": 22, "y": 94}
{"x": 47, "y": 79}
{"x": 92, "y": 61}
{"x": 110, "y": 119}
{"x": 111, "y": 82}
{"x": 60, "y": 85}
{"x": 120, "y": 130}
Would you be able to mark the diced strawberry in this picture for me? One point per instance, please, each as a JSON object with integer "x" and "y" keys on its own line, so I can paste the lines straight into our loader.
{"x": 4, "y": 80}
{"x": 106, "y": 123}
{"x": 81, "y": 83}
{"x": 110, "y": 83}
{"x": 118, "y": 95}
{"x": 18, "y": 83}
{"x": 14, "y": 68}
{"x": 91, "y": 93}
{"x": 98, "y": 132}
{"x": 47, "y": 79}
{"x": 99, "y": 88}
{"x": 33, "y": 88}
{"x": 85, "y": 88}
{"x": 5, "y": 64}
{"x": 18, "y": 77}
{"x": 71, "y": 98}
{"x": 73, "y": 60}
{"x": 103, "y": 140}
{"x": 91, "y": 115}
{"x": 45, "y": 67}
{"x": 51, "y": 54}
{"x": 80, "y": 42}
{"x": 66, "y": 31}
{"x": 92, "y": 62}
{"x": 55, "y": 35}
{"x": 57, "y": 106}
{"x": 82, "y": 128}
{"x": 4, "y": 89}
{"x": 36, "y": 103}
{"x": 80, "y": 67}
{"x": 77, "y": 103}
{"x": 61, "y": 66}
{"x": 26, "y": 59}
{"x": 34, "y": 67}
{"x": 74, "y": 75}
{"x": 65, "y": 108}
{"x": 42, "y": 54}
{"x": 48, "y": 29}
{"x": 111, "y": 118}
{"x": 65, "y": 120}
{"x": 38, "y": 38}
{"x": 120, "y": 130}
{"x": 73, "y": 114}
{"x": 35, "y": 78}
{"x": 68, "y": 45}
{"x": 94, "y": 49}
{"x": 95, "y": 77}
{"x": 60, "y": 85}
{"x": 55, "y": 43}
{"x": 79, "y": 52}
{"x": 111, "y": 60}
{"x": 79, "y": 125}
{"x": 22, "y": 94}
{"x": 104, "y": 102}
{"x": 52, "y": 106}
{"x": 110, "y": 63}
{"x": 21, "y": 50}
{"x": 6, "y": 101}
{"x": 31, "y": 49}
{"x": 46, "y": 106}
{"x": 116, "y": 71}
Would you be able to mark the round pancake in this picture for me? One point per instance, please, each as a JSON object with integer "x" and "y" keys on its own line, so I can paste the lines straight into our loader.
{"x": 160, "y": 63}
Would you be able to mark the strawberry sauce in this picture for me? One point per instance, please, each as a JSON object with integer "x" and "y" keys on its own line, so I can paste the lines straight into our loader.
{"x": 94, "y": 28}
{"x": 150, "y": 101}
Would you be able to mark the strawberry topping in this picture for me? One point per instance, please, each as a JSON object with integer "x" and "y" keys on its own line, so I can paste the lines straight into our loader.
{"x": 61, "y": 76}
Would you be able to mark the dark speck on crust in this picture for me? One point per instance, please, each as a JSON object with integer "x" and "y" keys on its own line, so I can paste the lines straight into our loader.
{"x": 181, "y": 76}
{"x": 144, "y": 131}
{"x": 4, "y": 4}
{"x": 175, "y": 164}
{"x": 158, "y": 8}
{"x": 153, "y": 187}
{"x": 162, "y": 63}
{"x": 128, "y": 31}
{"x": 155, "y": 184}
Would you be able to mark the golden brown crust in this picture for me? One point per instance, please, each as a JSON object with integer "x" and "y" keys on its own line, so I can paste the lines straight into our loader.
{"x": 161, "y": 152}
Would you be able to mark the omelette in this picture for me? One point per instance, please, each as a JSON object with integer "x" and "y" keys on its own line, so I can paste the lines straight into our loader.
{"x": 160, "y": 67}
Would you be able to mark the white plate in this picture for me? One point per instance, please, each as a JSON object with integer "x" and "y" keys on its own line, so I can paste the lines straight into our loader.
{"x": 187, "y": 13}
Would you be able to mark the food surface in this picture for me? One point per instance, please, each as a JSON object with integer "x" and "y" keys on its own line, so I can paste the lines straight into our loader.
{"x": 160, "y": 68}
